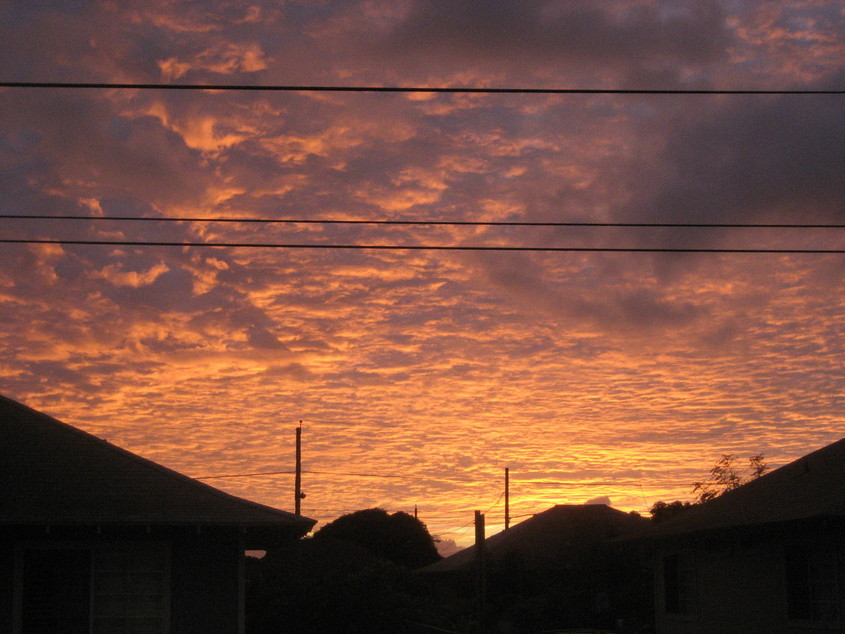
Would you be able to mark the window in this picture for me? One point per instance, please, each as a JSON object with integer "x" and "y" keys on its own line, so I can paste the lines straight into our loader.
{"x": 119, "y": 588}
{"x": 812, "y": 588}
{"x": 679, "y": 590}
{"x": 129, "y": 590}
{"x": 56, "y": 590}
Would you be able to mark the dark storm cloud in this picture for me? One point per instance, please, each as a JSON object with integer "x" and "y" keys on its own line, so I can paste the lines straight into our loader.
{"x": 581, "y": 29}
{"x": 170, "y": 291}
{"x": 84, "y": 143}
{"x": 596, "y": 34}
{"x": 83, "y": 41}
{"x": 168, "y": 344}
{"x": 609, "y": 303}
{"x": 757, "y": 158}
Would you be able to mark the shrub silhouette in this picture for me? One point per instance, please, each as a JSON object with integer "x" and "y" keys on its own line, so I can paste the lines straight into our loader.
{"x": 399, "y": 538}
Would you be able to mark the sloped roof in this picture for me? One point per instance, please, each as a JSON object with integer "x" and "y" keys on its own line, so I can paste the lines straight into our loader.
{"x": 54, "y": 474}
{"x": 554, "y": 537}
{"x": 811, "y": 487}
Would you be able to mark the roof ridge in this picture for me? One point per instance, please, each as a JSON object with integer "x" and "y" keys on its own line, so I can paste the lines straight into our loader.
{"x": 810, "y": 486}
{"x": 150, "y": 464}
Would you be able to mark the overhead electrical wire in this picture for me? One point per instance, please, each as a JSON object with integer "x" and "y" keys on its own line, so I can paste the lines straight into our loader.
{"x": 428, "y": 518}
{"x": 448, "y": 223}
{"x": 290, "y": 472}
{"x": 423, "y": 89}
{"x": 499, "y": 499}
{"x": 580, "y": 483}
{"x": 416, "y": 247}
{"x": 419, "y": 247}
{"x": 414, "y": 89}
{"x": 472, "y": 521}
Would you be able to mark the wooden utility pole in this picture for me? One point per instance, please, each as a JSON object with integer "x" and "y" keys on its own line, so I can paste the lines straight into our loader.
{"x": 297, "y": 484}
{"x": 481, "y": 572}
{"x": 507, "y": 498}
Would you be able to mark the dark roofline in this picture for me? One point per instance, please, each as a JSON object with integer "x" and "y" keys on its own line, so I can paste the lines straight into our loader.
{"x": 274, "y": 515}
{"x": 809, "y": 491}
{"x": 554, "y": 527}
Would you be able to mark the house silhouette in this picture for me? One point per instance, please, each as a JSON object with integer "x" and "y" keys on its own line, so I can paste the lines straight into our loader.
{"x": 95, "y": 538}
{"x": 766, "y": 557}
{"x": 560, "y": 569}
{"x": 563, "y": 535}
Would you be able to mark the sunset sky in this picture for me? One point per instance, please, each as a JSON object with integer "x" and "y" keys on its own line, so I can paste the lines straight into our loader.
{"x": 419, "y": 375}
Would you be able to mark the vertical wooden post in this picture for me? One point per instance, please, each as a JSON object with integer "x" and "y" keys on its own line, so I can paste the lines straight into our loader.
{"x": 297, "y": 485}
{"x": 507, "y": 498}
{"x": 481, "y": 572}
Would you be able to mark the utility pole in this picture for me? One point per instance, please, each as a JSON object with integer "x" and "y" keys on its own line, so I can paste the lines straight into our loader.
{"x": 297, "y": 485}
{"x": 481, "y": 572}
{"x": 507, "y": 498}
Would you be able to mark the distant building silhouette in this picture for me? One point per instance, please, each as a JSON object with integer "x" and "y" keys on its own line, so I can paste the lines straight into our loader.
{"x": 95, "y": 538}
{"x": 559, "y": 569}
{"x": 560, "y": 536}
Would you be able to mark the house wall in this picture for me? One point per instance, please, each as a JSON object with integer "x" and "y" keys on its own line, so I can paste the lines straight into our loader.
{"x": 741, "y": 586}
{"x": 205, "y": 578}
{"x": 7, "y": 576}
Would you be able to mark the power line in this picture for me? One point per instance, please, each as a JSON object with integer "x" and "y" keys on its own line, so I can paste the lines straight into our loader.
{"x": 450, "y": 223}
{"x": 416, "y": 247}
{"x": 472, "y": 521}
{"x": 454, "y": 531}
{"x": 267, "y": 473}
{"x": 499, "y": 499}
{"x": 414, "y": 89}
{"x": 580, "y": 483}
{"x": 442, "y": 519}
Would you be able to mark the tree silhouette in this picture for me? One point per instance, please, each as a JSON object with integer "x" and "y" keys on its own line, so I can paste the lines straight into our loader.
{"x": 662, "y": 511}
{"x": 724, "y": 476}
{"x": 399, "y": 538}
{"x": 333, "y": 586}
